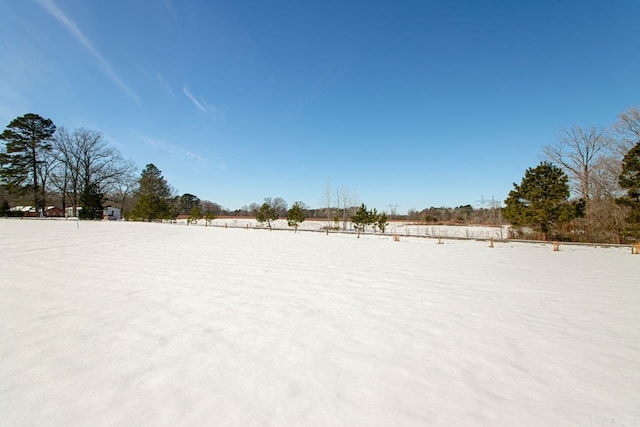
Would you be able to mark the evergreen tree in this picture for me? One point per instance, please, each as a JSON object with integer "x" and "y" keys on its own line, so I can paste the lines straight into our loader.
{"x": 209, "y": 216}
{"x": 27, "y": 140}
{"x": 373, "y": 219}
{"x": 5, "y": 209}
{"x": 171, "y": 213}
{"x": 187, "y": 203}
{"x": 91, "y": 200}
{"x": 361, "y": 218}
{"x": 152, "y": 182}
{"x": 195, "y": 215}
{"x": 266, "y": 213}
{"x": 629, "y": 180}
{"x": 295, "y": 216}
{"x": 541, "y": 200}
{"x": 382, "y": 222}
{"x": 154, "y": 194}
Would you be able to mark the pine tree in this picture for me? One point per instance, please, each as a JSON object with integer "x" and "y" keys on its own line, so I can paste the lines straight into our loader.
{"x": 266, "y": 213}
{"x": 5, "y": 209}
{"x": 373, "y": 219}
{"x": 382, "y": 222}
{"x": 187, "y": 202}
{"x": 154, "y": 194}
{"x": 152, "y": 182}
{"x": 91, "y": 200}
{"x": 195, "y": 215}
{"x": 28, "y": 138}
{"x": 361, "y": 218}
{"x": 295, "y": 216}
{"x": 209, "y": 216}
{"x": 629, "y": 180}
{"x": 541, "y": 200}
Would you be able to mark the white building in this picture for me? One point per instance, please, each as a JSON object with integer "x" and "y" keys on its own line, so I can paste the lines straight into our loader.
{"x": 69, "y": 212}
{"x": 111, "y": 213}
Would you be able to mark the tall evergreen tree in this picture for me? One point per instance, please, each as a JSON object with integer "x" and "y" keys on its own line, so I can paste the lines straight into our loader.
{"x": 152, "y": 182}
{"x": 630, "y": 181}
{"x": 27, "y": 139}
{"x": 91, "y": 200}
{"x": 154, "y": 193}
{"x": 5, "y": 209}
{"x": 541, "y": 200}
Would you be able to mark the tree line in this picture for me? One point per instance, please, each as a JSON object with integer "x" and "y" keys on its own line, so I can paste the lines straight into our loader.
{"x": 41, "y": 164}
{"x": 79, "y": 171}
{"x": 586, "y": 189}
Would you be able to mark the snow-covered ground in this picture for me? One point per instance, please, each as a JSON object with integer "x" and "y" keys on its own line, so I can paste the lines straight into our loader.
{"x": 116, "y": 323}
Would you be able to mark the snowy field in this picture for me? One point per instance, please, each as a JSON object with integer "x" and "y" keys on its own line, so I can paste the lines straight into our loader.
{"x": 117, "y": 323}
{"x": 401, "y": 228}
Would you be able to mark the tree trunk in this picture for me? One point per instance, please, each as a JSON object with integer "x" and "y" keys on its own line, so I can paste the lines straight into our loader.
{"x": 34, "y": 165}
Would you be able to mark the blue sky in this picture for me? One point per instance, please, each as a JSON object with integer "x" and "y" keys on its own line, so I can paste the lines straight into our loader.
{"x": 425, "y": 103}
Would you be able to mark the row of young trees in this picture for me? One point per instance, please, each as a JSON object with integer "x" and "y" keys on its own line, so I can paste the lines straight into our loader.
{"x": 365, "y": 217}
{"x": 588, "y": 187}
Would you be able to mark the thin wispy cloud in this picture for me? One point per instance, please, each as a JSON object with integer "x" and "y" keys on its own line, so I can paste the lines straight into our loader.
{"x": 165, "y": 84}
{"x": 195, "y": 156}
{"x": 193, "y": 99}
{"x": 211, "y": 110}
{"x": 71, "y": 26}
{"x": 169, "y": 148}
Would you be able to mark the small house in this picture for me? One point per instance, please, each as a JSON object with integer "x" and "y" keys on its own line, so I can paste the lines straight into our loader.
{"x": 53, "y": 212}
{"x": 70, "y": 212}
{"x": 111, "y": 213}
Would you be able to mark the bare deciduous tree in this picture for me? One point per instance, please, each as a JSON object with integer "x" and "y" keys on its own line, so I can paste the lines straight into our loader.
{"x": 328, "y": 196}
{"x": 628, "y": 129}
{"x": 278, "y": 203}
{"x": 577, "y": 151}
{"x": 343, "y": 203}
{"x": 124, "y": 189}
{"x": 85, "y": 158}
{"x": 580, "y": 152}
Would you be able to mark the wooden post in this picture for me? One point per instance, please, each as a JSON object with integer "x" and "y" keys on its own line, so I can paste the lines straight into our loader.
{"x": 556, "y": 246}
{"x": 636, "y": 249}
{"x": 491, "y": 242}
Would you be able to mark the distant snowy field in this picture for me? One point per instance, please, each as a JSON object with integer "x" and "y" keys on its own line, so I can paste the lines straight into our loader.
{"x": 393, "y": 227}
{"x": 116, "y": 323}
